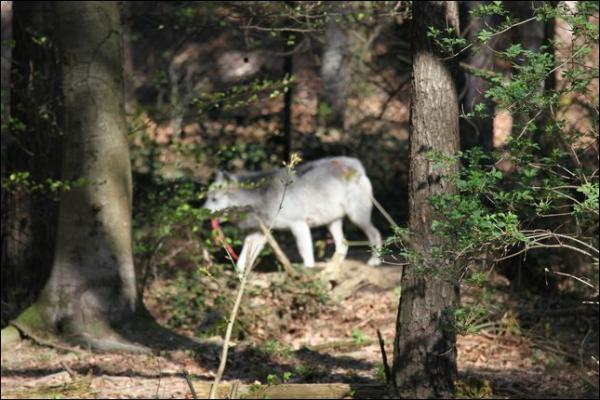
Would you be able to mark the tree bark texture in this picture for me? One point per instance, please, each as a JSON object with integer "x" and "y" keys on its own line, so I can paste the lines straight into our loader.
{"x": 425, "y": 344}
{"x": 92, "y": 283}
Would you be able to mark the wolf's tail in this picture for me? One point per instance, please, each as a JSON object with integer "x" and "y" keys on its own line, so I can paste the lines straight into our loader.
{"x": 365, "y": 184}
{"x": 365, "y": 188}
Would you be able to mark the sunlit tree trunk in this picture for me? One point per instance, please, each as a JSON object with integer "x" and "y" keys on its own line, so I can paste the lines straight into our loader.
{"x": 92, "y": 285}
{"x": 425, "y": 343}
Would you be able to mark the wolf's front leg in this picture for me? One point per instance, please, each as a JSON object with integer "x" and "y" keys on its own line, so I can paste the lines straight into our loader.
{"x": 301, "y": 232}
{"x": 253, "y": 244}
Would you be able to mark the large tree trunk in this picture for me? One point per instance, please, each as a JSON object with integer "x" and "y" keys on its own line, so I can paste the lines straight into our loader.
{"x": 92, "y": 284}
{"x": 425, "y": 343}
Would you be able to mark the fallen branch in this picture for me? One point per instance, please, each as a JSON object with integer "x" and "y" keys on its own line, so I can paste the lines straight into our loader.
{"x": 339, "y": 344}
{"x": 292, "y": 391}
{"x": 76, "y": 388}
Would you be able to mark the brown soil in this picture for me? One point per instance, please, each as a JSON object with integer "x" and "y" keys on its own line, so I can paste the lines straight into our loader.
{"x": 337, "y": 345}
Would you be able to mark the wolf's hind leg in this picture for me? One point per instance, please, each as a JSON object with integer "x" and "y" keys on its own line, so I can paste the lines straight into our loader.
{"x": 341, "y": 248}
{"x": 361, "y": 216}
{"x": 301, "y": 232}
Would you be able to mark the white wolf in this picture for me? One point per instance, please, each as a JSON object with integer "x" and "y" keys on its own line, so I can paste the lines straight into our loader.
{"x": 316, "y": 193}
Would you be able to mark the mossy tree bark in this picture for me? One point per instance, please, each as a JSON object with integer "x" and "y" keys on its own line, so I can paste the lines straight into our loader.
{"x": 91, "y": 289}
{"x": 425, "y": 345}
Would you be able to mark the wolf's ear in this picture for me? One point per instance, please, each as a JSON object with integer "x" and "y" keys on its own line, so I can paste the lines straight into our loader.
{"x": 224, "y": 176}
{"x": 229, "y": 177}
{"x": 219, "y": 176}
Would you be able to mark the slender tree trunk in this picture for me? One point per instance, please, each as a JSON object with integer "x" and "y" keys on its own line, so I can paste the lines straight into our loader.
{"x": 92, "y": 284}
{"x": 531, "y": 36}
{"x": 425, "y": 343}
{"x": 128, "y": 67}
{"x": 287, "y": 99}
{"x": 478, "y": 130}
{"x": 7, "y": 36}
{"x": 7, "y": 19}
{"x": 334, "y": 70}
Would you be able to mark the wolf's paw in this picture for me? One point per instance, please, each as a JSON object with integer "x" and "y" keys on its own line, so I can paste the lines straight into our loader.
{"x": 337, "y": 258}
{"x": 374, "y": 261}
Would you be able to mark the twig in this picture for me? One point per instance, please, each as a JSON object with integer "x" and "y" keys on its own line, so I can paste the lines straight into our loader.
{"x": 159, "y": 379}
{"x": 491, "y": 36}
{"x": 273, "y": 29}
{"x": 362, "y": 323}
{"x": 71, "y": 373}
{"x": 150, "y": 265}
{"x": 230, "y": 323}
{"x": 186, "y": 375}
{"x": 294, "y": 159}
{"x": 233, "y": 392}
{"x": 386, "y": 365}
{"x": 570, "y": 276}
{"x": 285, "y": 262}
{"x": 384, "y": 212}
{"x": 529, "y": 123}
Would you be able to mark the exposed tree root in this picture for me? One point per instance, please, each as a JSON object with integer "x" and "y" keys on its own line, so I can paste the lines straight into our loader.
{"x": 116, "y": 345}
{"x": 33, "y": 325}
{"x": 74, "y": 342}
{"x": 40, "y": 339}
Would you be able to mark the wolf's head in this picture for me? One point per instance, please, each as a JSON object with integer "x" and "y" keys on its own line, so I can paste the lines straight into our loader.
{"x": 220, "y": 192}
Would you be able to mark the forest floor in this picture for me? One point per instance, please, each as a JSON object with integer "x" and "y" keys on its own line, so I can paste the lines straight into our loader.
{"x": 336, "y": 344}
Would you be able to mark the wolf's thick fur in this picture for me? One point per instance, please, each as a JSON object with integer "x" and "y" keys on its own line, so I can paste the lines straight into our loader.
{"x": 317, "y": 193}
